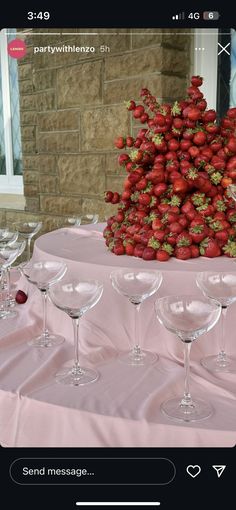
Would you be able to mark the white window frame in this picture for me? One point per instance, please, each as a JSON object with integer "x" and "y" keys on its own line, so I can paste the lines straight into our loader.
{"x": 206, "y": 62}
{"x": 9, "y": 183}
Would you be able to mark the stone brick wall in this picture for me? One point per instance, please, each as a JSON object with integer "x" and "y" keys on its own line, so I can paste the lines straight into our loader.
{"x": 72, "y": 109}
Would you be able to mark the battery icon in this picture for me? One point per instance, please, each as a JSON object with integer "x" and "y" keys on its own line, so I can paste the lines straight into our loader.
{"x": 211, "y": 15}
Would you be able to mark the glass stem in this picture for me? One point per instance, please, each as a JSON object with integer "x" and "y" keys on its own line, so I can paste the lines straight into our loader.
{"x": 3, "y": 280}
{"x": 8, "y": 279}
{"x": 187, "y": 399}
{"x": 76, "y": 344}
{"x": 45, "y": 298}
{"x": 6, "y": 301}
{"x": 222, "y": 353}
{"x": 28, "y": 249}
{"x": 136, "y": 347}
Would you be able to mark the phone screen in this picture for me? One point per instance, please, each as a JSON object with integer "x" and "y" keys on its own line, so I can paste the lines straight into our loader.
{"x": 117, "y": 253}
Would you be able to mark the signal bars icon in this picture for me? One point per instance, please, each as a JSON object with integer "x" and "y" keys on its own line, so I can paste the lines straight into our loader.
{"x": 179, "y": 16}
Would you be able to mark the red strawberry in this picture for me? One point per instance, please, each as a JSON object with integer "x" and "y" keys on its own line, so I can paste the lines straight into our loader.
{"x": 144, "y": 199}
{"x": 138, "y": 142}
{"x": 212, "y": 128}
{"x": 126, "y": 195}
{"x": 183, "y": 252}
{"x": 162, "y": 255}
{"x": 177, "y": 123}
{"x": 170, "y": 217}
{"x": 173, "y": 144}
{"x": 159, "y": 119}
{"x": 159, "y": 235}
{"x": 202, "y": 104}
{"x": 119, "y": 249}
{"x": 171, "y": 238}
{"x": 138, "y": 111}
{"x": 109, "y": 241}
{"x": 129, "y": 249}
{"x": 196, "y": 81}
{"x": 142, "y": 184}
{"x": 144, "y": 92}
{"x": 130, "y": 105}
{"x": 210, "y": 248}
{"x": 130, "y": 166}
{"x": 199, "y": 138}
{"x": 21, "y": 297}
{"x": 198, "y": 233}
{"x": 134, "y": 177}
{"x": 167, "y": 249}
{"x": 129, "y": 141}
{"x": 136, "y": 155}
{"x": 149, "y": 253}
{"x": 222, "y": 237}
{"x": 120, "y": 142}
{"x": 209, "y": 116}
{"x": 195, "y": 252}
{"x": 123, "y": 159}
{"x": 206, "y": 209}
{"x": 185, "y": 145}
{"x": 115, "y": 198}
{"x": 187, "y": 207}
{"x": 175, "y": 228}
{"x": 157, "y": 224}
{"x": 231, "y": 113}
{"x": 231, "y": 144}
{"x": 194, "y": 113}
{"x": 108, "y": 196}
{"x": 193, "y": 151}
{"x": 180, "y": 186}
{"x": 120, "y": 216}
{"x": 160, "y": 189}
{"x": 183, "y": 221}
{"x": 107, "y": 232}
{"x": 184, "y": 239}
{"x": 138, "y": 250}
{"x": 144, "y": 118}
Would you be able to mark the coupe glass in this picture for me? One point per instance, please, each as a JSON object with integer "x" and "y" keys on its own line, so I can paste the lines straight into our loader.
{"x": 222, "y": 287}
{"x": 8, "y": 255}
{"x": 136, "y": 286}
{"x": 43, "y": 275}
{"x": 188, "y": 317}
{"x": 87, "y": 219}
{"x": 76, "y": 221}
{"x": 72, "y": 222}
{"x": 3, "y": 232}
{"x": 28, "y": 229}
{"x": 75, "y": 298}
{"x": 9, "y": 239}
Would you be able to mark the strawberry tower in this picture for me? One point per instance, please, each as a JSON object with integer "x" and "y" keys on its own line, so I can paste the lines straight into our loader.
{"x": 176, "y": 199}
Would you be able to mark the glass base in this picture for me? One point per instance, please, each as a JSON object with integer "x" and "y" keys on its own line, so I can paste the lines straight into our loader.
{"x": 11, "y": 303}
{"x": 45, "y": 341}
{"x": 8, "y": 314}
{"x": 219, "y": 363}
{"x": 138, "y": 357}
{"x": 76, "y": 376}
{"x": 199, "y": 410}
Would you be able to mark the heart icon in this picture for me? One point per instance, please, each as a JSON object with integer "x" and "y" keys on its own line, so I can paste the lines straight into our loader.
{"x": 193, "y": 471}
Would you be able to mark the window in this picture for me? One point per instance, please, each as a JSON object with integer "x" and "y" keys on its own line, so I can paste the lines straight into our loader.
{"x": 205, "y": 62}
{"x": 217, "y": 64}
{"x": 11, "y": 180}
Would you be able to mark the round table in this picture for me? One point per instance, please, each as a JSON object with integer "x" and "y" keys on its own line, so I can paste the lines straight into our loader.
{"x": 123, "y": 407}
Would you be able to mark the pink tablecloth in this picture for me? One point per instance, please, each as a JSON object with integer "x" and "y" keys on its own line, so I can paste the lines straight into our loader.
{"x": 123, "y": 407}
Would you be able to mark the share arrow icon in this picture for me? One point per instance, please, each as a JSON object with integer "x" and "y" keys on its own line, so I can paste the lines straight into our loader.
{"x": 219, "y": 470}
